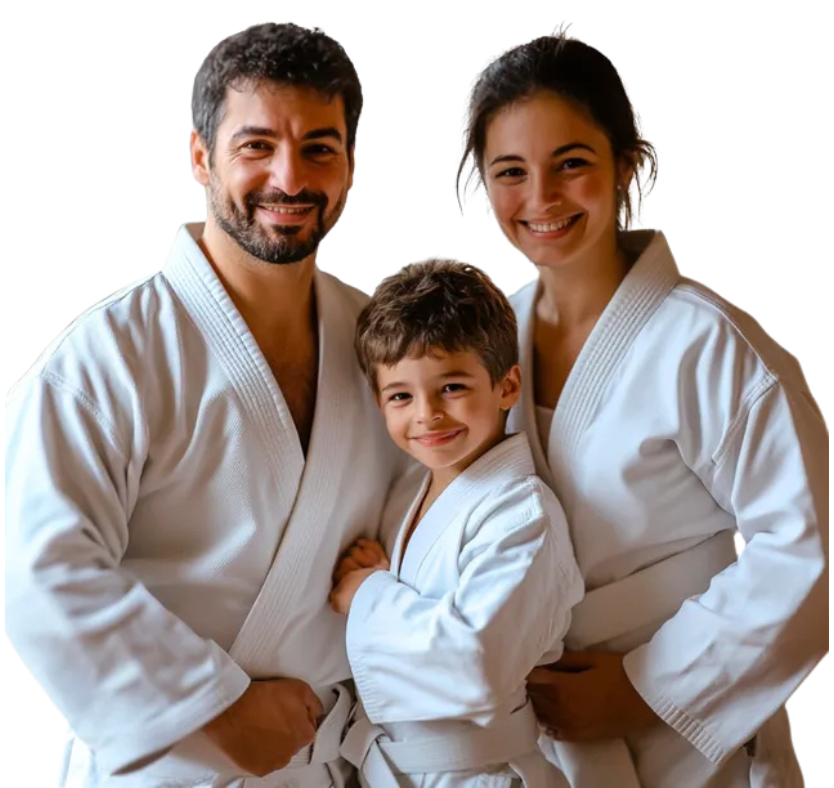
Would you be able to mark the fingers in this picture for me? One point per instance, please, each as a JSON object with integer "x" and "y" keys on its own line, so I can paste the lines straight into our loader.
{"x": 345, "y": 566}
{"x": 542, "y": 676}
{"x": 575, "y": 662}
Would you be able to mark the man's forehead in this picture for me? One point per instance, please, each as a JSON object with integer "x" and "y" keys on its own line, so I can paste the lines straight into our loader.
{"x": 269, "y": 104}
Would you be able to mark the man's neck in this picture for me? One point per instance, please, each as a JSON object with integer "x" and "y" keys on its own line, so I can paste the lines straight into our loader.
{"x": 274, "y": 299}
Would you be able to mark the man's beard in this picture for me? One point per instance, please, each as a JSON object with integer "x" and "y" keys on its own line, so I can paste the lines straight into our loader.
{"x": 280, "y": 247}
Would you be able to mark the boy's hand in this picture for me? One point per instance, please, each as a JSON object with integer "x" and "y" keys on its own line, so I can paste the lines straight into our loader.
{"x": 362, "y": 554}
{"x": 341, "y": 597}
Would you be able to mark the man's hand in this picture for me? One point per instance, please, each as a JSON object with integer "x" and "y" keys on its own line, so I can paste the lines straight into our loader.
{"x": 587, "y": 696}
{"x": 267, "y": 725}
{"x": 362, "y": 554}
{"x": 341, "y": 597}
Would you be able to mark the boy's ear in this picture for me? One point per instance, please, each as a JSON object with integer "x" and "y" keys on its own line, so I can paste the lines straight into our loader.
{"x": 511, "y": 388}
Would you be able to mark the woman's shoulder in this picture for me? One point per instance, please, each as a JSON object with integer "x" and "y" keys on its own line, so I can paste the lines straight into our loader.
{"x": 718, "y": 327}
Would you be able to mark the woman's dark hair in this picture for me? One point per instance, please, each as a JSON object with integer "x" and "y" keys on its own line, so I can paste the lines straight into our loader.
{"x": 286, "y": 54}
{"x": 575, "y": 71}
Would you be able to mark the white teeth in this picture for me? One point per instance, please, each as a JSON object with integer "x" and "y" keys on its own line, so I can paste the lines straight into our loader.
{"x": 284, "y": 209}
{"x": 552, "y": 227}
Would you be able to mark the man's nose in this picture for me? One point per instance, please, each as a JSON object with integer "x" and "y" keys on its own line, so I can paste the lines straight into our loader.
{"x": 288, "y": 173}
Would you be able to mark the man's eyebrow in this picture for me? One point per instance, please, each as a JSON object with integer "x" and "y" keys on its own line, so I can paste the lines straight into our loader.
{"x": 328, "y": 131}
{"x": 253, "y": 131}
{"x": 562, "y": 149}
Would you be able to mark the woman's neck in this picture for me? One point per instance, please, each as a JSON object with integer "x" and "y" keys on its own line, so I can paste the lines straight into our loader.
{"x": 576, "y": 294}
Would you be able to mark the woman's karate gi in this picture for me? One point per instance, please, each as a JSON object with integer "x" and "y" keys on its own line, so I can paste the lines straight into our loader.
{"x": 440, "y": 647}
{"x": 166, "y": 537}
{"x": 682, "y": 424}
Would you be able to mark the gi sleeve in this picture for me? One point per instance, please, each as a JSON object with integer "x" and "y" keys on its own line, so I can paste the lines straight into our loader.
{"x": 416, "y": 658}
{"x": 730, "y": 658}
{"x": 131, "y": 678}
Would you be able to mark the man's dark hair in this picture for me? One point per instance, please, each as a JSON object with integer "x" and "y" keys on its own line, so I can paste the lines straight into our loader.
{"x": 285, "y": 54}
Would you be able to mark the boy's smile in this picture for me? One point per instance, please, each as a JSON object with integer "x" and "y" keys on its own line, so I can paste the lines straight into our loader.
{"x": 443, "y": 408}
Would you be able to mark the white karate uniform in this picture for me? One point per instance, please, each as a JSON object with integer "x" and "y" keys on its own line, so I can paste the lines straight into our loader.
{"x": 166, "y": 538}
{"x": 441, "y": 646}
{"x": 682, "y": 423}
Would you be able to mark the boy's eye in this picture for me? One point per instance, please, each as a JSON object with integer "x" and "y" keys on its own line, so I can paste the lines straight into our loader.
{"x": 400, "y": 396}
{"x": 450, "y": 388}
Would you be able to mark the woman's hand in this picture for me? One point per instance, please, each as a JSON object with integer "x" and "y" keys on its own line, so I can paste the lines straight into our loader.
{"x": 586, "y": 696}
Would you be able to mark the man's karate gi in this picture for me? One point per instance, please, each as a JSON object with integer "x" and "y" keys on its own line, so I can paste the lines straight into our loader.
{"x": 166, "y": 538}
{"x": 682, "y": 423}
{"x": 440, "y": 646}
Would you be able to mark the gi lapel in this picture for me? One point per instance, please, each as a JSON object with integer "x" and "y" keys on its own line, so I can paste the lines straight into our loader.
{"x": 522, "y": 417}
{"x": 339, "y": 426}
{"x": 228, "y": 337}
{"x": 397, "y": 555}
{"x": 650, "y": 280}
{"x": 509, "y": 459}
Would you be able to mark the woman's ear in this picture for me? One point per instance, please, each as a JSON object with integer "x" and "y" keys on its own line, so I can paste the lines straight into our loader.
{"x": 511, "y": 388}
{"x": 625, "y": 173}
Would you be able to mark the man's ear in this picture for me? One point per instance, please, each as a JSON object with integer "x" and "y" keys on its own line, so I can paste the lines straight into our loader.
{"x": 351, "y": 160}
{"x": 200, "y": 159}
{"x": 511, "y": 388}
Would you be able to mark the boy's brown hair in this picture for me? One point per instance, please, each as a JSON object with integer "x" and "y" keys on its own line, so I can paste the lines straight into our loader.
{"x": 438, "y": 306}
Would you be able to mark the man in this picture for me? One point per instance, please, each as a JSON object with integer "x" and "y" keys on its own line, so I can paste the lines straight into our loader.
{"x": 184, "y": 466}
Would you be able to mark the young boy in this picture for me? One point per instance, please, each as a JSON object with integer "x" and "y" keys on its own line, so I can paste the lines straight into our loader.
{"x": 482, "y": 575}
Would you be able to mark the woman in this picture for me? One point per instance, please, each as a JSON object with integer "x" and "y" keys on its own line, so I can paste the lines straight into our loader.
{"x": 666, "y": 420}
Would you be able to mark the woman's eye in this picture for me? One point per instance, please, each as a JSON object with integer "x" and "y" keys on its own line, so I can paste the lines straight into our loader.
{"x": 573, "y": 164}
{"x": 511, "y": 172}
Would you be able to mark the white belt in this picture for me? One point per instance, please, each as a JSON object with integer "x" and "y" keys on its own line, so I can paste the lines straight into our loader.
{"x": 325, "y": 747}
{"x": 624, "y": 614}
{"x": 369, "y": 748}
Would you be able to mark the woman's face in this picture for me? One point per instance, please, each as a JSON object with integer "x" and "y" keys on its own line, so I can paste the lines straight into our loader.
{"x": 551, "y": 178}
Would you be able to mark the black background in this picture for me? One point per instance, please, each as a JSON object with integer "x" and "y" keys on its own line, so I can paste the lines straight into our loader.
{"x": 101, "y": 144}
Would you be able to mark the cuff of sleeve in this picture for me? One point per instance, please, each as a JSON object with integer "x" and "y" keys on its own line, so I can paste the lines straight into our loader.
{"x": 131, "y": 746}
{"x": 638, "y": 668}
{"x": 359, "y": 625}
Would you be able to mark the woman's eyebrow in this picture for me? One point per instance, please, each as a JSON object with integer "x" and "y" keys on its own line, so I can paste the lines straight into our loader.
{"x": 562, "y": 149}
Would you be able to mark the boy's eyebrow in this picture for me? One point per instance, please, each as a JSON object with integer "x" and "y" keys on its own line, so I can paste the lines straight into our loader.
{"x": 455, "y": 373}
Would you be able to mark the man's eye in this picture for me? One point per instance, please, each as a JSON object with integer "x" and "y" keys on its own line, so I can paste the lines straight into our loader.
{"x": 256, "y": 145}
{"x": 319, "y": 150}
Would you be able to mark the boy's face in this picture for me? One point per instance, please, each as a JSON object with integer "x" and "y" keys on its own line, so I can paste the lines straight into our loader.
{"x": 444, "y": 411}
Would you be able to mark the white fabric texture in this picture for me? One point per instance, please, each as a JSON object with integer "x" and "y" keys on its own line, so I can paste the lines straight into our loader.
{"x": 682, "y": 420}
{"x": 441, "y": 645}
{"x": 166, "y": 538}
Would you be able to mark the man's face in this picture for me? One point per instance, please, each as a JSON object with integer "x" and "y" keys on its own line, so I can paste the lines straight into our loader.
{"x": 280, "y": 170}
